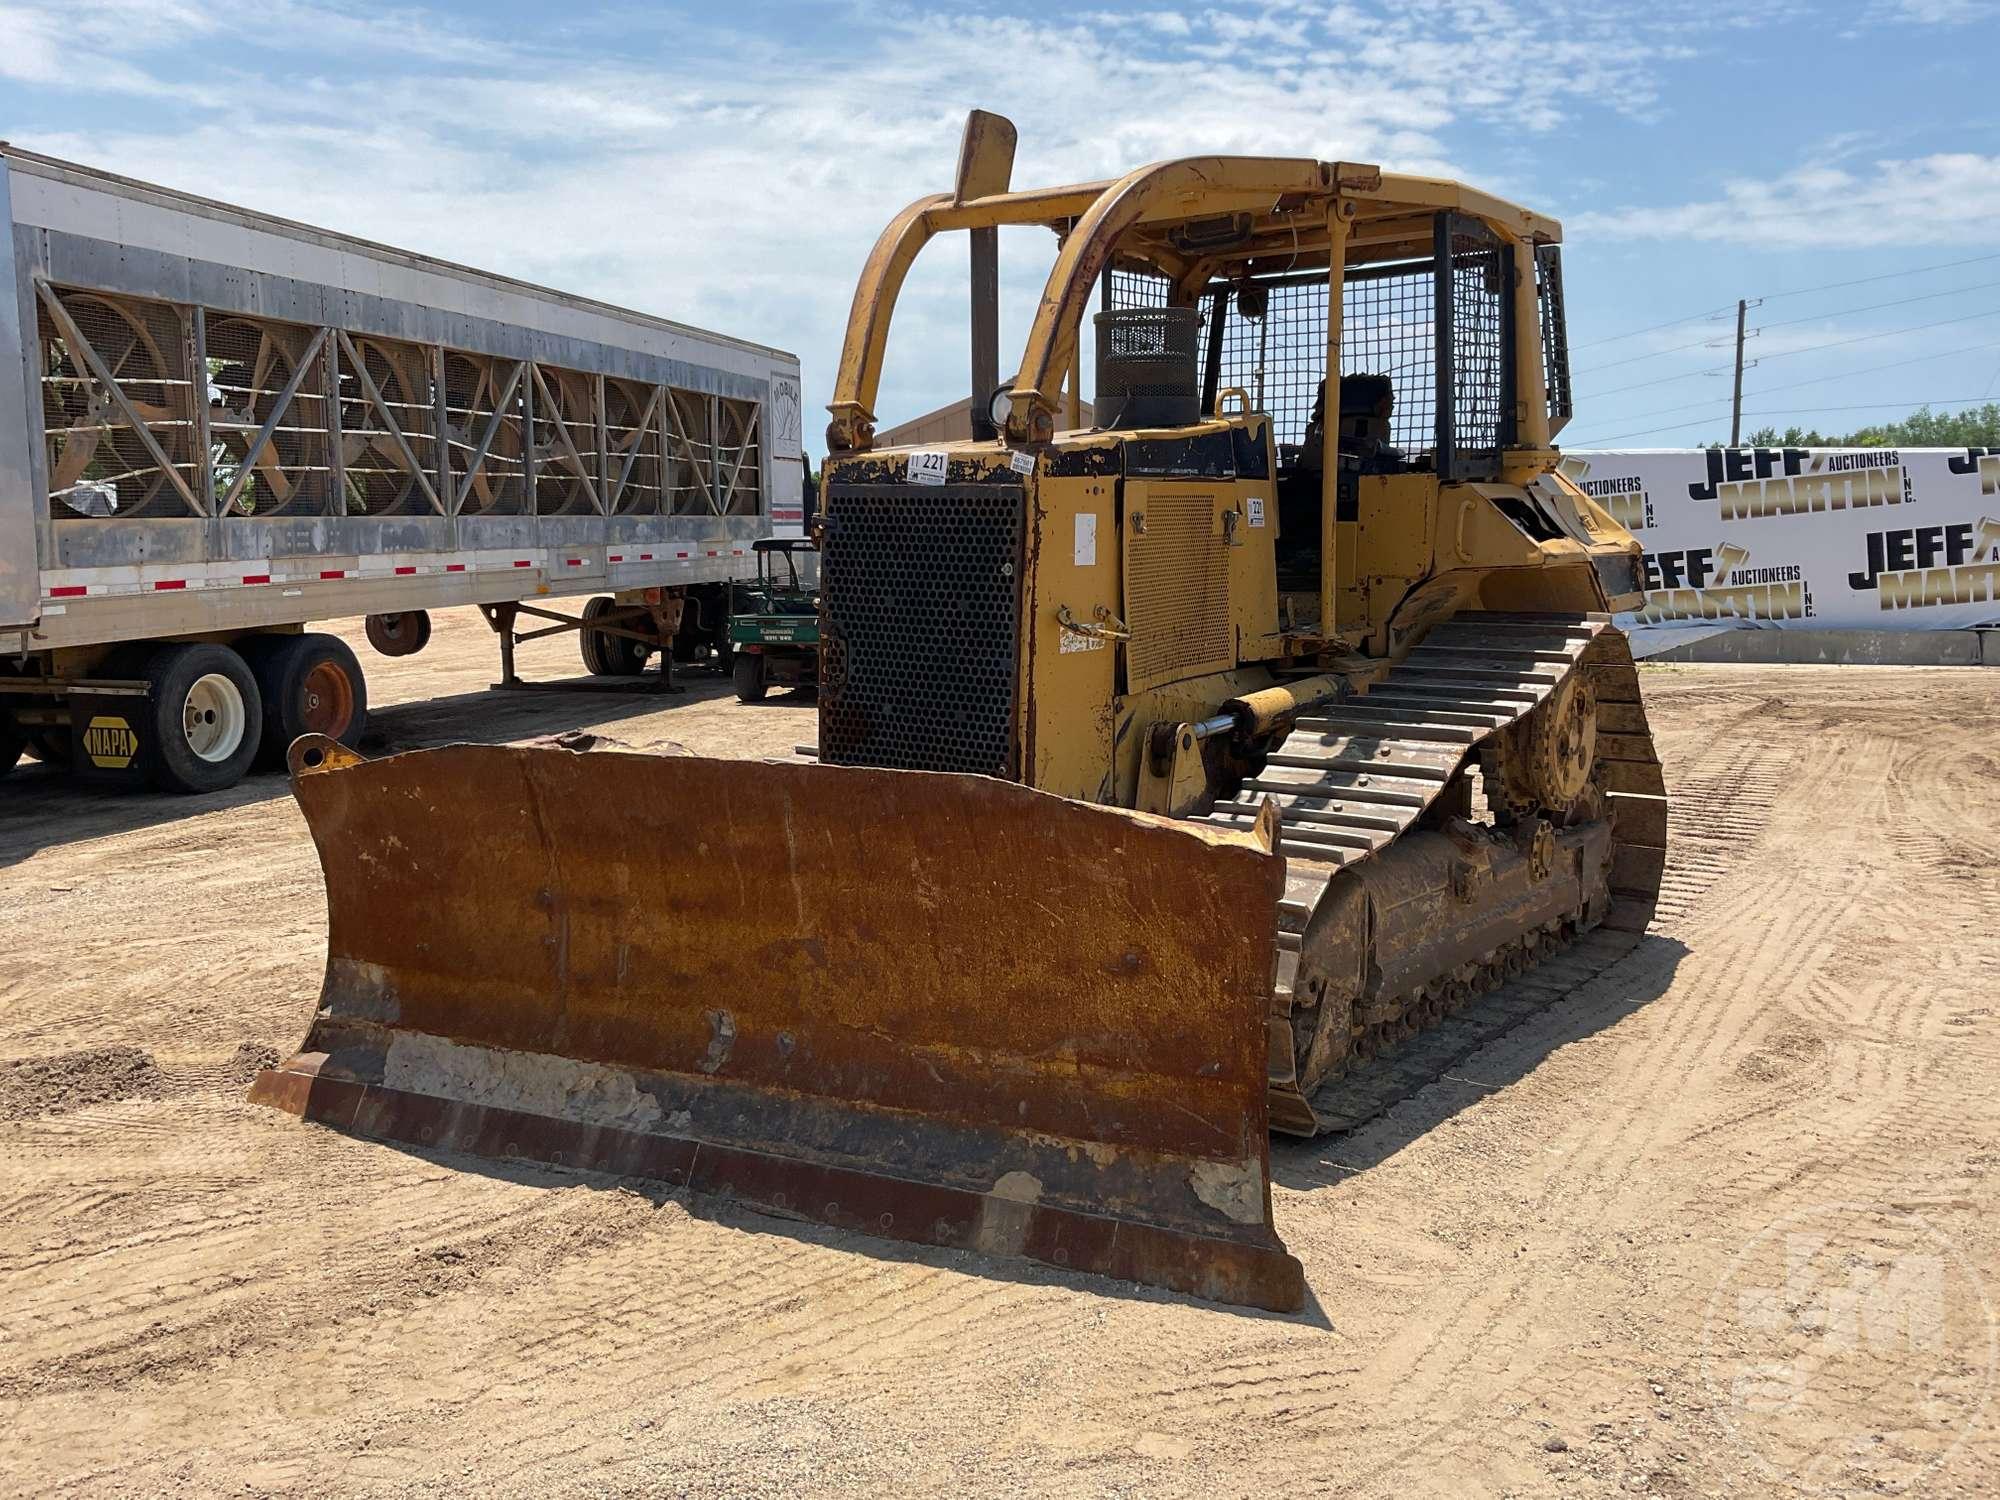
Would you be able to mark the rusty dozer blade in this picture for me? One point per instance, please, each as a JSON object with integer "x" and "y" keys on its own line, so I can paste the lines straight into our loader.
{"x": 934, "y": 1008}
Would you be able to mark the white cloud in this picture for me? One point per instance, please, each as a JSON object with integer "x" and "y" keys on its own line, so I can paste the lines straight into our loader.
{"x": 1952, "y": 198}
{"x": 1941, "y": 12}
{"x": 733, "y": 177}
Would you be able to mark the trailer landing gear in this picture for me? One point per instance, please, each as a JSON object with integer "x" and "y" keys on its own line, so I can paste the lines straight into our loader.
{"x": 616, "y": 635}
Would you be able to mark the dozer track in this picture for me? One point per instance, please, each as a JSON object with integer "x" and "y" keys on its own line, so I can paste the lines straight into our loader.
{"x": 1353, "y": 779}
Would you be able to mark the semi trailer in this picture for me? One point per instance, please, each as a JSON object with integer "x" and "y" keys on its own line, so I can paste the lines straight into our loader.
{"x": 218, "y": 427}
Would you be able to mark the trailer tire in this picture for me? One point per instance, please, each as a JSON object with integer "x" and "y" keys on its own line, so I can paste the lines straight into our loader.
{"x": 310, "y": 684}
{"x": 53, "y": 747}
{"x": 12, "y": 743}
{"x": 404, "y": 633}
{"x": 207, "y": 717}
{"x": 747, "y": 671}
{"x": 609, "y": 655}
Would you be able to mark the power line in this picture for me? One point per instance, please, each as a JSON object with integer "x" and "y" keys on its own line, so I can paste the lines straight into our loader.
{"x": 1656, "y": 327}
{"x": 1772, "y": 390}
{"x": 1887, "y": 333}
{"x": 1864, "y": 338}
{"x": 1663, "y": 380}
{"x": 1656, "y": 354}
{"x": 1921, "y": 359}
{"x": 1716, "y": 406}
{"x": 1828, "y": 286}
{"x": 1793, "y": 411}
{"x": 1825, "y": 286}
{"x": 1838, "y": 312}
{"x": 1843, "y": 312}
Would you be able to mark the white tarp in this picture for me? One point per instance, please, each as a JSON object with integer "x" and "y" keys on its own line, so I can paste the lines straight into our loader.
{"x": 1829, "y": 538}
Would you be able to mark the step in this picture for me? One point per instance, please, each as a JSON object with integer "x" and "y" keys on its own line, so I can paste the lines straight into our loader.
{"x": 1459, "y": 669}
{"x": 1514, "y": 691}
{"x": 1312, "y": 835}
{"x": 1391, "y": 725}
{"x": 1304, "y": 886}
{"x": 1471, "y": 718}
{"x": 1498, "y": 655}
{"x": 1466, "y": 704}
{"x": 1488, "y": 626}
{"x": 1388, "y": 760}
{"x": 1357, "y": 786}
{"x": 1340, "y": 814}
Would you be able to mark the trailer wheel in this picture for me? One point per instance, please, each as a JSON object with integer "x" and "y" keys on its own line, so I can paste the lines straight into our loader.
{"x": 748, "y": 674}
{"x": 402, "y": 634}
{"x": 310, "y": 684}
{"x": 207, "y": 717}
{"x": 52, "y": 747}
{"x": 12, "y": 743}
{"x": 609, "y": 655}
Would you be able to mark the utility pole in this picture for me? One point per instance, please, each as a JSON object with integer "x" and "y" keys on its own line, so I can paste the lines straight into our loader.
{"x": 1736, "y": 403}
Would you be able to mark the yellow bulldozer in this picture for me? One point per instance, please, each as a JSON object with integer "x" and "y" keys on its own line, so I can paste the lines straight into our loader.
{"x": 1168, "y": 767}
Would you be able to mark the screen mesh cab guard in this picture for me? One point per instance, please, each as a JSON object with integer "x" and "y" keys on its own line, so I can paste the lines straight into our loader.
{"x": 1440, "y": 330}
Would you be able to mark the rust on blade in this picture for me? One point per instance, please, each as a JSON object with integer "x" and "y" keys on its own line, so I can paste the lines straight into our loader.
{"x": 937, "y": 1008}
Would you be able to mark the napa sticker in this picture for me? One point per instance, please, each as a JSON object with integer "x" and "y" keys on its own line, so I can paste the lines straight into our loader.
{"x": 110, "y": 743}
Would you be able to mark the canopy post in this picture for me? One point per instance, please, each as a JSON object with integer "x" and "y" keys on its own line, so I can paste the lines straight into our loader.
{"x": 1339, "y": 215}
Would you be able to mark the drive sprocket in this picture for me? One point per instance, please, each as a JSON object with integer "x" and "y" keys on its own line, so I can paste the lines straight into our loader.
{"x": 1545, "y": 758}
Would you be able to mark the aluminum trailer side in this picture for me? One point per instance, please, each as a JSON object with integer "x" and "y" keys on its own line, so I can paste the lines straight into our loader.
{"x": 216, "y": 426}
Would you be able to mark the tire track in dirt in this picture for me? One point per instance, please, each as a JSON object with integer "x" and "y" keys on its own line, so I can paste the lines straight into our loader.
{"x": 1736, "y": 787}
{"x": 1736, "y": 798}
{"x": 1534, "y": 1237}
{"x": 1906, "y": 1113}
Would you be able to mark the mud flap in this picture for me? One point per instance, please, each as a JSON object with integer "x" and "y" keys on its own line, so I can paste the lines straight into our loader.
{"x": 933, "y": 1008}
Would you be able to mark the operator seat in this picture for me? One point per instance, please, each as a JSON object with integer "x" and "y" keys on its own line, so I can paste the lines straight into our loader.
{"x": 1367, "y": 402}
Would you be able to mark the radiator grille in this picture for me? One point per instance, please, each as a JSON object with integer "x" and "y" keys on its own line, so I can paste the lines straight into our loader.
{"x": 1177, "y": 590}
{"x": 919, "y": 604}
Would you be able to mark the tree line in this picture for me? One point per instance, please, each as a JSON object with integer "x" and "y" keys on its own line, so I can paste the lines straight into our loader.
{"x": 1975, "y": 427}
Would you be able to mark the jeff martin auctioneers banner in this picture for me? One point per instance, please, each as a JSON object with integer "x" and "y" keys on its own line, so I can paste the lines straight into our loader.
{"x": 1841, "y": 538}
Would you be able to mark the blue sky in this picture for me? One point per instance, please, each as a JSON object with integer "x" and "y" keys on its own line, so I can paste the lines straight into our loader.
{"x": 730, "y": 165}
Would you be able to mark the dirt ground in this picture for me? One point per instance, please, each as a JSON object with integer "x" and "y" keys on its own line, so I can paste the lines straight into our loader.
{"x": 1722, "y": 1221}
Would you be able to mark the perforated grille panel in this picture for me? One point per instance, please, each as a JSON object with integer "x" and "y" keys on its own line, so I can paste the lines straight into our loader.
{"x": 1555, "y": 335}
{"x": 920, "y": 619}
{"x": 1176, "y": 588}
{"x": 1474, "y": 362}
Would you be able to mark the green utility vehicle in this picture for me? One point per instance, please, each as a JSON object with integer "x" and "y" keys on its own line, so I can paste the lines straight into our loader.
{"x": 774, "y": 623}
